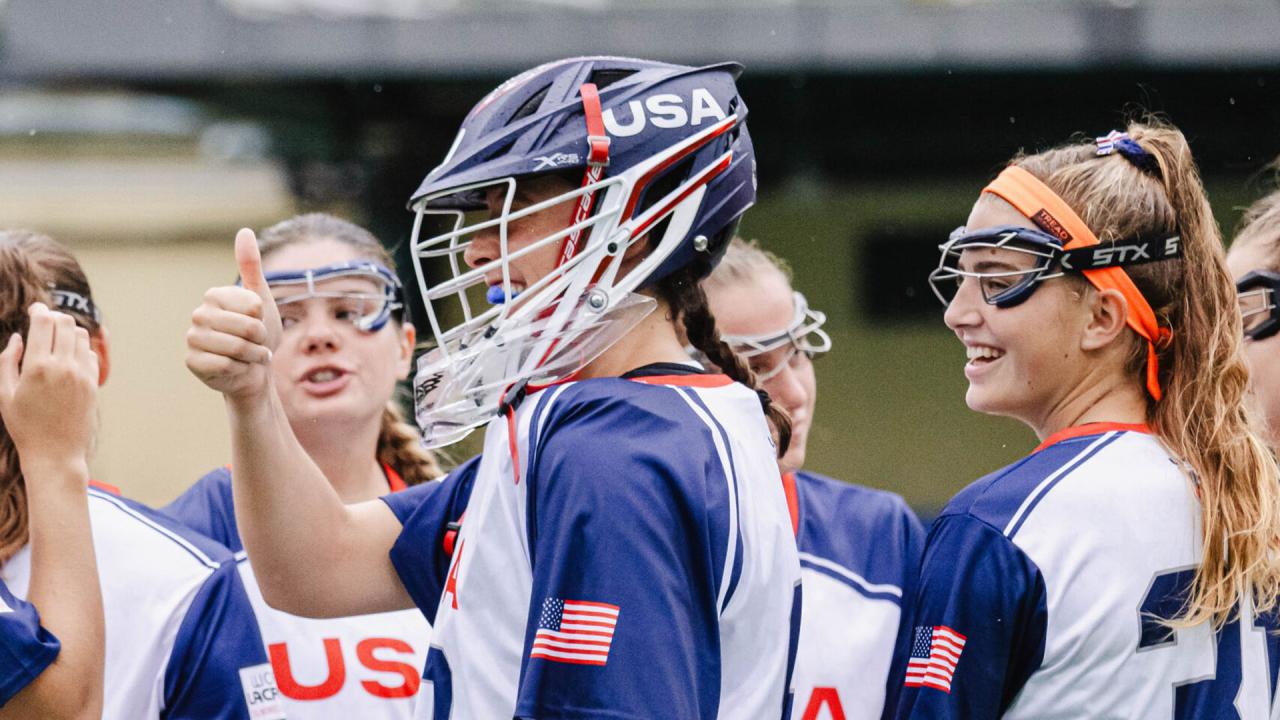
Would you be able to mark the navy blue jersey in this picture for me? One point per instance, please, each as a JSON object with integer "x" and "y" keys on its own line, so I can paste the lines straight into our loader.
{"x": 1044, "y": 586}
{"x": 207, "y": 508}
{"x": 181, "y": 639}
{"x": 26, "y": 649}
{"x": 634, "y": 552}
{"x": 860, "y": 553}
{"x": 431, "y": 514}
{"x": 367, "y": 666}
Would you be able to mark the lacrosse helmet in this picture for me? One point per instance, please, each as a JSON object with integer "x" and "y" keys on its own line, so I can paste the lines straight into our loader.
{"x": 652, "y": 151}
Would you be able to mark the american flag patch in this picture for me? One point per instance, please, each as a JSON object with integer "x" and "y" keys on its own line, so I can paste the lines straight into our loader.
{"x": 934, "y": 655}
{"x": 575, "y": 631}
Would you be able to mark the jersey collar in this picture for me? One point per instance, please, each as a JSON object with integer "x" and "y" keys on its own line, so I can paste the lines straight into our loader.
{"x": 793, "y": 501}
{"x": 1095, "y": 428}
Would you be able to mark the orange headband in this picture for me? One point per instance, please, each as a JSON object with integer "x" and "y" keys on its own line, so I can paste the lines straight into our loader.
{"x": 1043, "y": 207}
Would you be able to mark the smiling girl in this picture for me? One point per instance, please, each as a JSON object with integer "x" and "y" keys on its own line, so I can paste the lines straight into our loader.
{"x": 1121, "y": 570}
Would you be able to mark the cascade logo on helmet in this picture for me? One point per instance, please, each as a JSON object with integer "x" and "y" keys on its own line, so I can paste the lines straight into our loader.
{"x": 668, "y": 112}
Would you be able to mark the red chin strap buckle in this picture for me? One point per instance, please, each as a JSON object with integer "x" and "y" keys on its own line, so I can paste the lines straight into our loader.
{"x": 597, "y": 139}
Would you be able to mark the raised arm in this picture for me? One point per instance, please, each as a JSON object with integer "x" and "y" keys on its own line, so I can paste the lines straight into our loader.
{"x": 49, "y": 410}
{"x": 313, "y": 555}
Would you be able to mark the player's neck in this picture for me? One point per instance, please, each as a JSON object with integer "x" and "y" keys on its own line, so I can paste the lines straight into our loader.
{"x": 347, "y": 459}
{"x": 653, "y": 340}
{"x": 1109, "y": 398}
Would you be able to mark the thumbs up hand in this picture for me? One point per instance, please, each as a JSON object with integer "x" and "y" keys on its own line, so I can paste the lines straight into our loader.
{"x": 235, "y": 329}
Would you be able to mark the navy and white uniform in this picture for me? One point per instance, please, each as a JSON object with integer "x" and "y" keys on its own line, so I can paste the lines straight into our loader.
{"x": 860, "y": 555}
{"x": 26, "y": 649}
{"x": 1044, "y": 583}
{"x": 364, "y": 666}
{"x": 636, "y": 560}
{"x": 181, "y": 639}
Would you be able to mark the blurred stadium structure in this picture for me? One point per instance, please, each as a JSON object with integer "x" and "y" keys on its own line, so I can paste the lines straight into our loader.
{"x": 143, "y": 132}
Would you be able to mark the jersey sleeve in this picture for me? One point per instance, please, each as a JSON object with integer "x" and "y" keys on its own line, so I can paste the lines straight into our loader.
{"x": 626, "y": 562}
{"x": 26, "y": 648}
{"x": 218, "y": 656}
{"x": 979, "y": 624}
{"x": 912, "y": 539}
{"x": 207, "y": 508}
{"x": 425, "y": 512}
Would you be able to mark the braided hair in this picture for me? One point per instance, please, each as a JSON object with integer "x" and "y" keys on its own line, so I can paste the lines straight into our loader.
{"x": 683, "y": 294}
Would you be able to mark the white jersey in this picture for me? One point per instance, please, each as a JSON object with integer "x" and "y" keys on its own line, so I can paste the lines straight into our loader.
{"x": 363, "y": 667}
{"x": 181, "y": 639}
{"x": 1044, "y": 586}
{"x": 860, "y": 555}
{"x": 637, "y": 556}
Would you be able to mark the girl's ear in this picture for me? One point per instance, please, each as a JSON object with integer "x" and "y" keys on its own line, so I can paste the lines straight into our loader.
{"x": 1108, "y": 313}
{"x": 407, "y": 337}
{"x": 99, "y": 343}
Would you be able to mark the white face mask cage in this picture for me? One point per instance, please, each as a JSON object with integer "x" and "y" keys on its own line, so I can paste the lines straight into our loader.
{"x": 804, "y": 334}
{"x": 556, "y": 325}
{"x": 368, "y": 311}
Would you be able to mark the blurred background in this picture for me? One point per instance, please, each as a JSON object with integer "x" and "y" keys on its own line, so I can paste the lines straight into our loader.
{"x": 143, "y": 133}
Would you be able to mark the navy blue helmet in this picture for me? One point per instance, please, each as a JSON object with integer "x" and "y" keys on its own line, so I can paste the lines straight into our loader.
{"x": 552, "y": 179}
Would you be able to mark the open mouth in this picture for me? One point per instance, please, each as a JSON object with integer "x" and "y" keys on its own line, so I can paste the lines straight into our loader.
{"x": 323, "y": 375}
{"x": 325, "y": 380}
{"x": 982, "y": 354}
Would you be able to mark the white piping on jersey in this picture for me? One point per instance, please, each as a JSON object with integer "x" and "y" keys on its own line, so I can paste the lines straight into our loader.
{"x": 731, "y": 554}
{"x": 848, "y": 574}
{"x": 1040, "y": 489}
{"x": 195, "y": 551}
{"x": 546, "y": 412}
{"x": 240, "y": 556}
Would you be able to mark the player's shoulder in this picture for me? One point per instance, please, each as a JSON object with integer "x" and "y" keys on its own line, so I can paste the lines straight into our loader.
{"x": 149, "y": 541}
{"x": 835, "y": 520}
{"x": 654, "y": 400}
{"x": 207, "y": 507}
{"x": 1006, "y": 497}
{"x": 450, "y": 493}
{"x": 213, "y": 489}
{"x": 829, "y": 500}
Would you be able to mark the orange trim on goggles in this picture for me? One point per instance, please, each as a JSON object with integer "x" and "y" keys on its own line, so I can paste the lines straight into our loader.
{"x": 1050, "y": 213}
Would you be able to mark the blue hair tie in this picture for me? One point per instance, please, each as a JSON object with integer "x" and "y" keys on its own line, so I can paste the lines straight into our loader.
{"x": 1116, "y": 141}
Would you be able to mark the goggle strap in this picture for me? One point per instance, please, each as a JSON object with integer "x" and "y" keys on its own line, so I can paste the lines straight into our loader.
{"x": 1111, "y": 255}
{"x": 1042, "y": 206}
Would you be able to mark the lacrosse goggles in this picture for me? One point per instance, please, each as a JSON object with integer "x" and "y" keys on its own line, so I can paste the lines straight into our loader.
{"x": 1257, "y": 292}
{"x": 1061, "y": 244}
{"x": 804, "y": 334}
{"x": 369, "y": 310}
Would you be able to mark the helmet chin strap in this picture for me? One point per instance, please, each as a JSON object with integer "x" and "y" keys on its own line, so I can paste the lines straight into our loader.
{"x": 597, "y": 160}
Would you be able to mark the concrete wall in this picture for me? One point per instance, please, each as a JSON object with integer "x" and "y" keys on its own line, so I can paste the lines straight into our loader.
{"x": 152, "y": 235}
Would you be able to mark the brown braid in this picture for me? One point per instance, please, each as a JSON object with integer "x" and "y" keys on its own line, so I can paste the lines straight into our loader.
{"x": 687, "y": 300}
{"x": 399, "y": 446}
